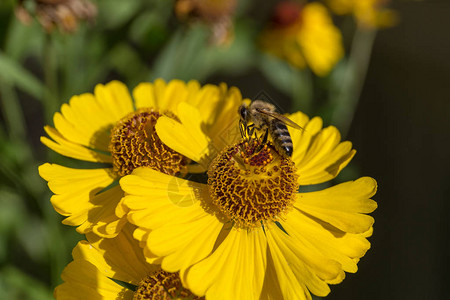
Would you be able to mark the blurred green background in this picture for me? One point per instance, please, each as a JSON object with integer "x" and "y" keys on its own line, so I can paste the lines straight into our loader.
{"x": 400, "y": 128}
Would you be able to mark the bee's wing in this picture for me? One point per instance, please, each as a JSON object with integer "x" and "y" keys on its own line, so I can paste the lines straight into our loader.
{"x": 281, "y": 118}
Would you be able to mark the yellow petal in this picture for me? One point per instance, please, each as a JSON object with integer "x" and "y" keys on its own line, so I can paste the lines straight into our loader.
{"x": 290, "y": 286}
{"x": 144, "y": 95}
{"x": 173, "y": 191}
{"x": 120, "y": 258}
{"x": 69, "y": 149}
{"x": 301, "y": 139}
{"x": 319, "y": 39}
{"x": 79, "y": 195}
{"x": 271, "y": 287}
{"x": 165, "y": 96}
{"x": 299, "y": 266}
{"x": 67, "y": 180}
{"x": 184, "y": 241}
{"x": 186, "y": 137}
{"x": 318, "y": 154}
{"x": 343, "y": 206}
{"x": 155, "y": 199}
{"x": 114, "y": 99}
{"x": 235, "y": 270}
{"x": 100, "y": 217}
{"x": 175, "y": 92}
{"x": 87, "y": 119}
{"x": 327, "y": 240}
{"x": 82, "y": 278}
{"x": 98, "y": 260}
{"x": 182, "y": 232}
{"x": 103, "y": 217}
{"x": 224, "y": 129}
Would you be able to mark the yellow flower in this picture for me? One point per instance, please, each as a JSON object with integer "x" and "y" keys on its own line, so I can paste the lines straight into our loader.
{"x": 304, "y": 36}
{"x": 369, "y": 13}
{"x": 248, "y": 233}
{"x": 116, "y": 269}
{"x": 109, "y": 127}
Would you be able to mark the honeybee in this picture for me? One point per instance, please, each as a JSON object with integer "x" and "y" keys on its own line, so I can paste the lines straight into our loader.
{"x": 265, "y": 118}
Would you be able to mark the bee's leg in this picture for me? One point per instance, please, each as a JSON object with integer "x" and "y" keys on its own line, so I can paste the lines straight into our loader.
{"x": 266, "y": 135}
{"x": 243, "y": 129}
{"x": 264, "y": 141}
{"x": 251, "y": 131}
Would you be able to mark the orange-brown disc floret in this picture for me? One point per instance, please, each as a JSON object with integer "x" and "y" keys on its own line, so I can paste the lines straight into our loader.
{"x": 252, "y": 183}
{"x": 163, "y": 285}
{"x": 134, "y": 143}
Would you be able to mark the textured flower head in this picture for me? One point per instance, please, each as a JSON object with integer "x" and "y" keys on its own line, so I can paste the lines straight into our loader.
{"x": 305, "y": 36}
{"x": 111, "y": 128}
{"x": 368, "y": 13}
{"x": 250, "y": 232}
{"x": 116, "y": 269}
{"x": 64, "y": 14}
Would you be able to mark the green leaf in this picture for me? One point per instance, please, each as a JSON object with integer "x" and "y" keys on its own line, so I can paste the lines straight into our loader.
{"x": 126, "y": 61}
{"x": 241, "y": 51}
{"x": 12, "y": 72}
{"x": 22, "y": 40}
{"x": 116, "y": 14}
{"x": 179, "y": 59}
{"x": 15, "y": 284}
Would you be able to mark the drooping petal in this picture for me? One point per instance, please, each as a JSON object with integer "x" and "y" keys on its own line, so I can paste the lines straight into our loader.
{"x": 67, "y": 148}
{"x": 343, "y": 206}
{"x": 235, "y": 270}
{"x": 98, "y": 261}
{"x": 80, "y": 195}
{"x": 120, "y": 258}
{"x": 299, "y": 269}
{"x": 82, "y": 278}
{"x": 327, "y": 240}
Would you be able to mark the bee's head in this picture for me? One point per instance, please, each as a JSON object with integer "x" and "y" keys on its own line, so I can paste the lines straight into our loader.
{"x": 244, "y": 113}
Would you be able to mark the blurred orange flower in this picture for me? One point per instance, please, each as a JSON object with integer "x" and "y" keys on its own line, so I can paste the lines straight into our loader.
{"x": 64, "y": 14}
{"x": 305, "y": 36}
{"x": 217, "y": 14}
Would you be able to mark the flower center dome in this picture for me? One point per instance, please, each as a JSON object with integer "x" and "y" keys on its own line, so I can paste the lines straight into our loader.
{"x": 134, "y": 143}
{"x": 252, "y": 183}
{"x": 163, "y": 285}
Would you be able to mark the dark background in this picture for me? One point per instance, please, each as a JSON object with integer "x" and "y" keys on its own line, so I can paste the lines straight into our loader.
{"x": 402, "y": 134}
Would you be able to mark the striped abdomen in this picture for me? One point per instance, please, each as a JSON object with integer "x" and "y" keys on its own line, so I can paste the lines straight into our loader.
{"x": 281, "y": 136}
